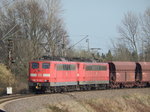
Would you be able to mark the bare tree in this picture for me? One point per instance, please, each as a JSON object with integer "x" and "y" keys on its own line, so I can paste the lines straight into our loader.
{"x": 56, "y": 36}
{"x": 8, "y": 28}
{"x": 145, "y": 27}
{"x": 28, "y": 23}
{"x": 129, "y": 32}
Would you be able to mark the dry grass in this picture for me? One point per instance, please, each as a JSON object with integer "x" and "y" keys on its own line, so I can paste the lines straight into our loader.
{"x": 125, "y": 103}
{"x": 55, "y": 108}
{"x": 130, "y": 103}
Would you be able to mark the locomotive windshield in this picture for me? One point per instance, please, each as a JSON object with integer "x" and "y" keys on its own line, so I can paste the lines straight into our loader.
{"x": 45, "y": 65}
{"x": 35, "y": 65}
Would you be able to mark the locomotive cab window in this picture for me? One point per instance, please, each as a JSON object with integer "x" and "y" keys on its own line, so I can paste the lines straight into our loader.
{"x": 45, "y": 65}
{"x": 35, "y": 65}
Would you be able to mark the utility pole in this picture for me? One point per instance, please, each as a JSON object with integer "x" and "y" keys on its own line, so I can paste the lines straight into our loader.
{"x": 63, "y": 47}
{"x": 10, "y": 45}
{"x": 10, "y": 48}
{"x": 88, "y": 46}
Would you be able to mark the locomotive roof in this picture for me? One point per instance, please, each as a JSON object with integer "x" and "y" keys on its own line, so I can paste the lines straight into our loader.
{"x": 67, "y": 62}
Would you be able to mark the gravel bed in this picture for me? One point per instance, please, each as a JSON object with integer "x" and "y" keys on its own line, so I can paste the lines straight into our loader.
{"x": 38, "y": 102}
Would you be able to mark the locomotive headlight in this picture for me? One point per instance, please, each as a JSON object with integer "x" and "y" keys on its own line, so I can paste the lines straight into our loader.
{"x": 33, "y": 75}
{"x": 46, "y": 75}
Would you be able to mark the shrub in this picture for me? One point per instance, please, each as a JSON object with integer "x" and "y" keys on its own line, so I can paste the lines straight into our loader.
{"x": 6, "y": 78}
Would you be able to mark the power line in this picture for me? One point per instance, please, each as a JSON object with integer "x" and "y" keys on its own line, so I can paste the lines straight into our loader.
{"x": 78, "y": 42}
{"x": 8, "y": 3}
{"x": 4, "y": 37}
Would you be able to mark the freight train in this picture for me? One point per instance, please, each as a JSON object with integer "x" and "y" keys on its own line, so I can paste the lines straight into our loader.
{"x": 59, "y": 76}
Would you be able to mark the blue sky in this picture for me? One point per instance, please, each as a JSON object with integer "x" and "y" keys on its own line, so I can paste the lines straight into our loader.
{"x": 98, "y": 19}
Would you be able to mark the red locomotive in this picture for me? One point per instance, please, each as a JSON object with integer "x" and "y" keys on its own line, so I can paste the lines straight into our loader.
{"x": 58, "y": 76}
{"x": 93, "y": 75}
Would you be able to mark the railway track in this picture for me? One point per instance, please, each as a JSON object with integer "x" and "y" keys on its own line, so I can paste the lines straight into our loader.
{"x": 14, "y": 97}
{"x": 77, "y": 96}
{"x": 5, "y": 99}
